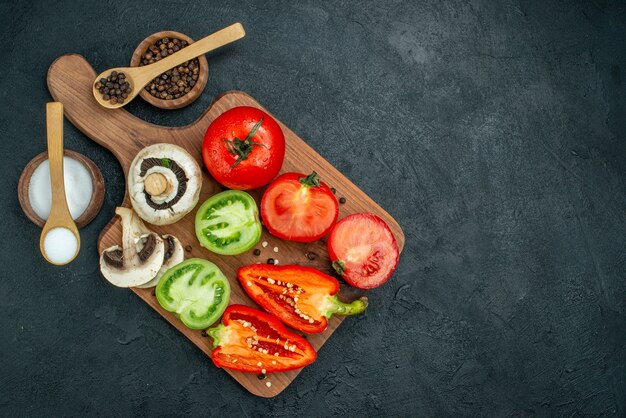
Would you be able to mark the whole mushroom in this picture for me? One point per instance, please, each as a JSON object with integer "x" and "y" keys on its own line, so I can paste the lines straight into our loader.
{"x": 164, "y": 183}
{"x": 139, "y": 259}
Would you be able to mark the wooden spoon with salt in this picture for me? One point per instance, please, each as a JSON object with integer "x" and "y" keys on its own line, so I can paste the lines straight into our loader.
{"x": 138, "y": 77}
{"x": 60, "y": 241}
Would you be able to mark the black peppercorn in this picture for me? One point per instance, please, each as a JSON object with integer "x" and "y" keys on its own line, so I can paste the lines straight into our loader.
{"x": 177, "y": 81}
{"x": 311, "y": 255}
{"x": 111, "y": 90}
{"x": 257, "y": 252}
{"x": 342, "y": 200}
{"x": 270, "y": 261}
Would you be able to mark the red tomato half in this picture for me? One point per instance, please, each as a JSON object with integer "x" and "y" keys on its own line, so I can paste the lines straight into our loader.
{"x": 243, "y": 148}
{"x": 299, "y": 208}
{"x": 363, "y": 250}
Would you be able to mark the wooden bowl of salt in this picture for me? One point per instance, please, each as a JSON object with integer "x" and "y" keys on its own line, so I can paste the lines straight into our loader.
{"x": 84, "y": 188}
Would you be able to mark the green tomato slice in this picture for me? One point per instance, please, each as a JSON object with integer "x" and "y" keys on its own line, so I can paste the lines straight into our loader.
{"x": 228, "y": 223}
{"x": 196, "y": 291}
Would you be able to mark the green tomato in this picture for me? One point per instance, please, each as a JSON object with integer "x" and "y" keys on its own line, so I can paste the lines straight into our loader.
{"x": 228, "y": 223}
{"x": 196, "y": 291}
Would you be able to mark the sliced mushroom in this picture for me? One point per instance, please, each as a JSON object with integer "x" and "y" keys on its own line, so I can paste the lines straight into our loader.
{"x": 139, "y": 258}
{"x": 164, "y": 183}
{"x": 174, "y": 254}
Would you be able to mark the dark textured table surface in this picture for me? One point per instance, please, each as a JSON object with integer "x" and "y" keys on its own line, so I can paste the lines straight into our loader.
{"x": 494, "y": 132}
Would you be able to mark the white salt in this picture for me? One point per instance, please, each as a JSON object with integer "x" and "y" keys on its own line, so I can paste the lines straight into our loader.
{"x": 78, "y": 188}
{"x": 60, "y": 245}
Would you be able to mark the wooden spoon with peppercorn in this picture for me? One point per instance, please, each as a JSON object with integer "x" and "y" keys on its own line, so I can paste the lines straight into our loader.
{"x": 116, "y": 87}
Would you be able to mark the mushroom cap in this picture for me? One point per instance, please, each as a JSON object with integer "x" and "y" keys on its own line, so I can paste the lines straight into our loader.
{"x": 132, "y": 264}
{"x": 183, "y": 175}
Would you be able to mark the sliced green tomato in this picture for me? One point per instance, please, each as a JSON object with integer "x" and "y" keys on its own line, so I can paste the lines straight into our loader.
{"x": 228, "y": 223}
{"x": 196, "y": 291}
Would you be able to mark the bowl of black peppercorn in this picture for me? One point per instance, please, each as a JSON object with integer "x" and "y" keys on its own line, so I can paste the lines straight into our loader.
{"x": 179, "y": 86}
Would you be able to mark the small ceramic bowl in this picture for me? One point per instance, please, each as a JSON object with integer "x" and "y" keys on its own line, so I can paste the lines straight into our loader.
{"x": 195, "y": 91}
{"x": 97, "y": 196}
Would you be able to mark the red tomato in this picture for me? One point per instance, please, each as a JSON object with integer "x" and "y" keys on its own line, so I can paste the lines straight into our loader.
{"x": 299, "y": 208}
{"x": 363, "y": 250}
{"x": 243, "y": 148}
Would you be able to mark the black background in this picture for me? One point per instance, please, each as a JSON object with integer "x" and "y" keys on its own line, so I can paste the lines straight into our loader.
{"x": 493, "y": 131}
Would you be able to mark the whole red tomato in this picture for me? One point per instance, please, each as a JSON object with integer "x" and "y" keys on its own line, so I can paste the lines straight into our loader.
{"x": 243, "y": 148}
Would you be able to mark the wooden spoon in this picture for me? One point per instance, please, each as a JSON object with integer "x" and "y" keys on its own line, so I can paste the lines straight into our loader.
{"x": 138, "y": 77}
{"x": 60, "y": 216}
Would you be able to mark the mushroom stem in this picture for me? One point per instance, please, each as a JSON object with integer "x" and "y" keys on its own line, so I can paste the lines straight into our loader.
{"x": 156, "y": 184}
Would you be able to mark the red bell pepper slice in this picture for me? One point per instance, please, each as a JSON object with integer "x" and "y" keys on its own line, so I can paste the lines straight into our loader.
{"x": 302, "y": 297}
{"x": 249, "y": 340}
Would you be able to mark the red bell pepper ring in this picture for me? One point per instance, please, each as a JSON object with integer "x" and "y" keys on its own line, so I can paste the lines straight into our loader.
{"x": 252, "y": 341}
{"x": 302, "y": 297}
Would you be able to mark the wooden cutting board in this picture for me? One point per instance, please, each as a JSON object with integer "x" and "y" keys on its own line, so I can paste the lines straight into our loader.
{"x": 69, "y": 80}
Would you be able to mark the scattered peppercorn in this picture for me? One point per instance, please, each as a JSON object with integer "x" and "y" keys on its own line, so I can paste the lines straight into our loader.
{"x": 270, "y": 261}
{"x": 261, "y": 376}
{"x": 311, "y": 255}
{"x": 188, "y": 248}
{"x": 342, "y": 200}
{"x": 332, "y": 189}
{"x": 176, "y": 82}
{"x": 204, "y": 334}
{"x": 257, "y": 252}
{"x": 115, "y": 88}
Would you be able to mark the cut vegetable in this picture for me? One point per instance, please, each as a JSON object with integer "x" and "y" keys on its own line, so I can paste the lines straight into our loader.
{"x": 363, "y": 250}
{"x": 298, "y": 207}
{"x": 302, "y": 297}
{"x": 140, "y": 257}
{"x": 173, "y": 255}
{"x": 196, "y": 291}
{"x": 228, "y": 223}
{"x": 252, "y": 341}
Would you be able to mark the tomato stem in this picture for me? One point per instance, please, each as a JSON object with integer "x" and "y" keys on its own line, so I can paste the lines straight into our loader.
{"x": 243, "y": 148}
{"x": 339, "y": 266}
{"x": 312, "y": 180}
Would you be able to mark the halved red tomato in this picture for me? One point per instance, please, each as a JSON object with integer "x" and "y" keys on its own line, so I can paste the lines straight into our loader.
{"x": 363, "y": 250}
{"x": 243, "y": 148}
{"x": 299, "y": 208}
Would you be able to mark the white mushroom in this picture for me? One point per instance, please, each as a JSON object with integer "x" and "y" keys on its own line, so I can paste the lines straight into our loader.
{"x": 140, "y": 257}
{"x": 164, "y": 183}
{"x": 174, "y": 254}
